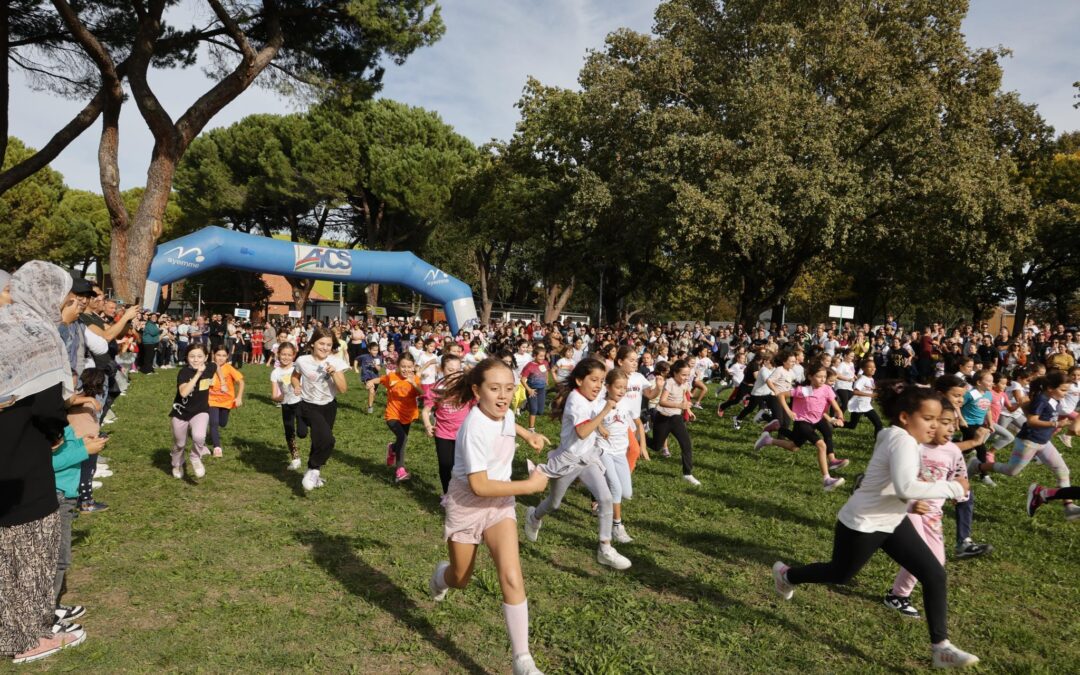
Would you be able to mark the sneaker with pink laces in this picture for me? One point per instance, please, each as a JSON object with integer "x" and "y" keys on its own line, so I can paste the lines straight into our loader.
{"x": 401, "y": 475}
{"x": 390, "y": 458}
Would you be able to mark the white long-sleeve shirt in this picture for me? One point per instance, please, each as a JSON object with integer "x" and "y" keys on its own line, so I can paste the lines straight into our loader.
{"x": 890, "y": 481}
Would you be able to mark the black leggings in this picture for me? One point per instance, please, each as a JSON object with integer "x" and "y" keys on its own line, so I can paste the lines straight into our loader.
{"x": 870, "y": 415}
{"x": 737, "y": 394}
{"x": 803, "y": 432}
{"x": 665, "y": 425}
{"x": 401, "y": 437}
{"x": 444, "y": 450}
{"x": 295, "y": 427}
{"x": 853, "y": 549}
{"x": 842, "y": 397}
{"x": 320, "y": 419}
{"x": 777, "y": 410}
{"x": 219, "y": 419}
{"x": 1065, "y": 493}
{"x": 755, "y": 403}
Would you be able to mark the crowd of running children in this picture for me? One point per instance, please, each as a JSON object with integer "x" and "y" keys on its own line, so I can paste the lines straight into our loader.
{"x": 620, "y": 394}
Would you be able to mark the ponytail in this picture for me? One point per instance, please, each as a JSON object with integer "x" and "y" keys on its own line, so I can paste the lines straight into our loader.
{"x": 1041, "y": 385}
{"x": 897, "y": 397}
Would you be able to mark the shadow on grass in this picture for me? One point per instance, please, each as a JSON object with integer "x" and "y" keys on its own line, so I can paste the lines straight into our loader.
{"x": 426, "y": 494}
{"x": 337, "y": 555}
{"x": 270, "y": 460}
{"x": 262, "y": 398}
{"x": 766, "y": 509}
{"x": 714, "y": 544}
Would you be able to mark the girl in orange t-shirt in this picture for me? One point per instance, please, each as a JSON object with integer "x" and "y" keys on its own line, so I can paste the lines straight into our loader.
{"x": 226, "y": 393}
{"x": 402, "y": 388}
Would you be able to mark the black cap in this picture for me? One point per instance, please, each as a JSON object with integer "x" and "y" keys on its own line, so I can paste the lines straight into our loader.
{"x": 80, "y": 286}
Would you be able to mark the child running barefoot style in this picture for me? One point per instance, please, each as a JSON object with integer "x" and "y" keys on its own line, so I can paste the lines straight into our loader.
{"x": 318, "y": 378}
{"x": 578, "y": 456}
{"x": 281, "y": 391}
{"x": 875, "y": 517}
{"x": 480, "y": 502}
{"x": 191, "y": 411}
{"x": 1043, "y": 419}
{"x": 402, "y": 388}
{"x": 449, "y": 416}
{"x": 809, "y": 402}
{"x": 226, "y": 393}
{"x": 941, "y": 460}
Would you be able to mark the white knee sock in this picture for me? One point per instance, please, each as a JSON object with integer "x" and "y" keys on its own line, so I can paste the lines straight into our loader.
{"x": 517, "y": 626}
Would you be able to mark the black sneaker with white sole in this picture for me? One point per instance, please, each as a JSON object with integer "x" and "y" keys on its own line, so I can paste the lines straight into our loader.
{"x": 69, "y": 612}
{"x": 902, "y": 605}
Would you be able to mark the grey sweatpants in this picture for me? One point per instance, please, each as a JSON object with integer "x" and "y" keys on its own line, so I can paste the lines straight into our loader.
{"x": 592, "y": 475}
{"x": 68, "y": 511}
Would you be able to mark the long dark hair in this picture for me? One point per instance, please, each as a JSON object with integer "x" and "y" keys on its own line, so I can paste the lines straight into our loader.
{"x": 1041, "y": 385}
{"x": 459, "y": 391}
{"x": 580, "y": 372}
{"x": 92, "y": 382}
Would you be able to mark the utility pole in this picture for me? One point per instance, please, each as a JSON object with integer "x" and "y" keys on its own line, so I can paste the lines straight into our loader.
{"x": 198, "y": 312}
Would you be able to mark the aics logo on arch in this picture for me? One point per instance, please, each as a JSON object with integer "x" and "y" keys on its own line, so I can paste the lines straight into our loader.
{"x": 322, "y": 260}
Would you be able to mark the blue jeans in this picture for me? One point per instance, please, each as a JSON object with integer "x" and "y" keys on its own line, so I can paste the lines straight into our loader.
{"x": 536, "y": 402}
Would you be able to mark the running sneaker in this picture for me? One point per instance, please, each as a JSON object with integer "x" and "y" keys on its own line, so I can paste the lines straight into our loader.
{"x": 784, "y": 588}
{"x": 370, "y": 410}
{"x": 837, "y": 464}
{"x": 390, "y": 458}
{"x": 69, "y": 612}
{"x": 438, "y": 594}
{"x": 1072, "y": 512}
{"x": 763, "y": 440}
{"x": 294, "y": 464}
{"x": 618, "y": 533}
{"x": 901, "y": 604}
{"x": 665, "y": 453}
{"x": 218, "y": 452}
{"x": 532, "y": 526}
{"x": 1034, "y": 498}
{"x": 401, "y": 475}
{"x": 970, "y": 549}
{"x": 720, "y": 412}
{"x": 947, "y": 655}
{"x": 772, "y": 426}
{"x": 607, "y": 555}
{"x": 103, "y": 473}
{"x": 988, "y": 481}
{"x": 177, "y": 472}
{"x": 689, "y": 478}
{"x": 310, "y": 480}
{"x": 524, "y": 665}
{"x": 735, "y": 423}
{"x": 829, "y": 483}
{"x": 697, "y": 405}
{"x": 93, "y": 506}
{"x": 197, "y": 465}
{"x": 96, "y": 484}
{"x": 1066, "y": 440}
{"x": 760, "y": 415}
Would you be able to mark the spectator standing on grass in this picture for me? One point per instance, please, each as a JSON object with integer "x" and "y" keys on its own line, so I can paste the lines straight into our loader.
{"x": 34, "y": 375}
{"x": 148, "y": 342}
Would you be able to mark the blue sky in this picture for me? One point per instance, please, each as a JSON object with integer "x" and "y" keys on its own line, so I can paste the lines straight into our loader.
{"x": 475, "y": 74}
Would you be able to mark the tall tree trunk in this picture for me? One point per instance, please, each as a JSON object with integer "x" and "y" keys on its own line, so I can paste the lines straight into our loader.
{"x": 372, "y": 296}
{"x": 133, "y": 246}
{"x": 555, "y": 300}
{"x": 301, "y": 289}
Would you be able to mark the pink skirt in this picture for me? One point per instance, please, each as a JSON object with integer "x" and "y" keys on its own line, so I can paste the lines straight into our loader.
{"x": 469, "y": 516}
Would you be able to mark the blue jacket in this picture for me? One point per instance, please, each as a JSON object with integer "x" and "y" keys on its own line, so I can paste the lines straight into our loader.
{"x": 66, "y": 461}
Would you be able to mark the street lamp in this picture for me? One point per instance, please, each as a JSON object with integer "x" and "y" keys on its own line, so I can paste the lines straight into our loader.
{"x": 198, "y": 312}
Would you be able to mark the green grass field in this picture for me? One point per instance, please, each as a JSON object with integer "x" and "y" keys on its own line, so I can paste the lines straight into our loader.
{"x": 241, "y": 572}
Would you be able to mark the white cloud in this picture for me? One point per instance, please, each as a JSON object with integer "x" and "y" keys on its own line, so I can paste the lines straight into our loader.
{"x": 475, "y": 74}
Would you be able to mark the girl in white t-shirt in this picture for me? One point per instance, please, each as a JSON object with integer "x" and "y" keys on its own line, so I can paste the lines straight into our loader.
{"x": 577, "y": 456}
{"x": 639, "y": 389}
{"x": 564, "y": 365}
{"x": 862, "y": 396}
{"x": 427, "y": 365}
{"x": 479, "y": 504}
{"x": 875, "y": 517}
{"x": 318, "y": 378}
{"x": 613, "y": 448}
{"x": 281, "y": 391}
{"x": 844, "y": 368}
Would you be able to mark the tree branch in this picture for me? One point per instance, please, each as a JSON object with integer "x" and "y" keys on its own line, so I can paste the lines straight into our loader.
{"x": 234, "y": 31}
{"x": 157, "y": 119}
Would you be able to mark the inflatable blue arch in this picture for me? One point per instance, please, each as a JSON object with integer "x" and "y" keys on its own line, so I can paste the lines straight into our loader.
{"x": 213, "y": 247}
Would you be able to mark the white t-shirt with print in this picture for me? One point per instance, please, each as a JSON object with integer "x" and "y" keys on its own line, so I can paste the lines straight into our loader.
{"x": 862, "y": 404}
{"x": 427, "y": 375}
{"x": 484, "y": 444}
{"x": 316, "y": 386}
{"x": 282, "y": 377}
{"x": 576, "y": 412}
{"x": 845, "y": 369}
{"x": 617, "y": 422}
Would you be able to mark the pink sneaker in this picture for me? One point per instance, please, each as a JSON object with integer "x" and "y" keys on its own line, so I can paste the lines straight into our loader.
{"x": 217, "y": 452}
{"x": 829, "y": 483}
{"x": 772, "y": 426}
{"x": 763, "y": 440}
{"x": 838, "y": 464}
{"x": 401, "y": 475}
{"x": 390, "y": 458}
{"x": 46, "y": 647}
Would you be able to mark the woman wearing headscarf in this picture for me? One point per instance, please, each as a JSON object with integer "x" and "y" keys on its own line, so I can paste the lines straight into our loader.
{"x": 35, "y": 379}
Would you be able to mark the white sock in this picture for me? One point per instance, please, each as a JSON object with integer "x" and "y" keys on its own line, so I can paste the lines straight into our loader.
{"x": 517, "y": 626}
{"x": 440, "y": 580}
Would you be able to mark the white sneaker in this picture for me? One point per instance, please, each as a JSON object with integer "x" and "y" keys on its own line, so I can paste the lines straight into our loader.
{"x": 103, "y": 473}
{"x": 295, "y": 464}
{"x": 320, "y": 482}
{"x": 618, "y": 533}
{"x": 783, "y": 588}
{"x": 433, "y": 586}
{"x": 102, "y": 466}
{"x": 96, "y": 484}
{"x": 988, "y": 481}
{"x": 829, "y": 483}
{"x": 760, "y": 416}
{"x": 197, "y": 465}
{"x": 178, "y": 472}
{"x": 689, "y": 478}
{"x": 1066, "y": 440}
{"x": 532, "y": 526}
{"x": 311, "y": 480}
{"x": 607, "y": 555}
{"x": 949, "y": 655}
{"x": 1072, "y": 512}
{"x": 524, "y": 665}
{"x": 763, "y": 440}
